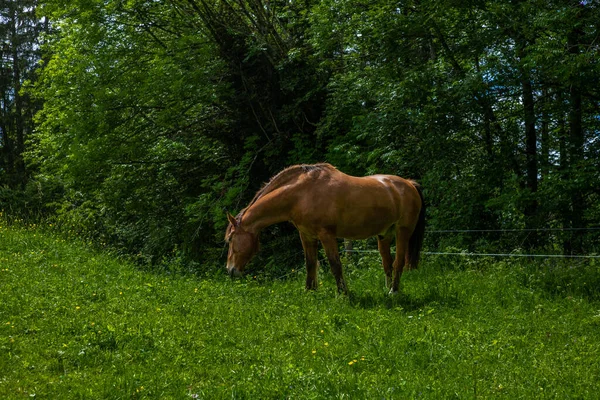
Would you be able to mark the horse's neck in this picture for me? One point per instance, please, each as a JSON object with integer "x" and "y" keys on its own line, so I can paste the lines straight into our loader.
{"x": 270, "y": 209}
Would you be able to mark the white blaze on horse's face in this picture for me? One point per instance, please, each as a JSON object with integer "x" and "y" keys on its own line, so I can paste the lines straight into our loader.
{"x": 242, "y": 247}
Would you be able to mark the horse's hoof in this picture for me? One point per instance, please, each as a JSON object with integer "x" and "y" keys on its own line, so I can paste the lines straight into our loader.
{"x": 393, "y": 292}
{"x": 312, "y": 285}
{"x": 342, "y": 288}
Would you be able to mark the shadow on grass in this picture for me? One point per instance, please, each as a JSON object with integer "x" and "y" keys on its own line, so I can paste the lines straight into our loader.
{"x": 406, "y": 301}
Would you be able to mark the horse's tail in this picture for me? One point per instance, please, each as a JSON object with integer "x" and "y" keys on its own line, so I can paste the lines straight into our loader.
{"x": 416, "y": 240}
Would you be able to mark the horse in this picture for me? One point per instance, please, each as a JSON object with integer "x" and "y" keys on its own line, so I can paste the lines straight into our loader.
{"x": 324, "y": 204}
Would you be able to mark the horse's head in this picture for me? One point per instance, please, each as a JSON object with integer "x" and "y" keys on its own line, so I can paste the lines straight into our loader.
{"x": 243, "y": 245}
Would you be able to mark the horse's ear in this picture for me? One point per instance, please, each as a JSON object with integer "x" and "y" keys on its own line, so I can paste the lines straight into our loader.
{"x": 232, "y": 220}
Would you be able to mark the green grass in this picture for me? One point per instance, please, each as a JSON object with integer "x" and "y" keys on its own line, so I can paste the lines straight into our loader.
{"x": 78, "y": 323}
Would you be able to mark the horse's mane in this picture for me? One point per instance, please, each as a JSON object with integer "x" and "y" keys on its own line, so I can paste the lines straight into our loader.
{"x": 282, "y": 178}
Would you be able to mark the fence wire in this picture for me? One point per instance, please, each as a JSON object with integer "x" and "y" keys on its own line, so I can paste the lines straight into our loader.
{"x": 469, "y": 254}
{"x": 596, "y": 228}
{"x": 474, "y": 254}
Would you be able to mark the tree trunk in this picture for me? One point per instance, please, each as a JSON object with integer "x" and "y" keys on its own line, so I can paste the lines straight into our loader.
{"x": 576, "y": 141}
{"x": 564, "y": 204}
{"x": 19, "y": 136}
{"x": 529, "y": 117}
{"x": 530, "y": 142}
{"x": 544, "y": 161}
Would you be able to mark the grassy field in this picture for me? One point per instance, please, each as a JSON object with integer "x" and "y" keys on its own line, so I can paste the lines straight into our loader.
{"x": 78, "y": 323}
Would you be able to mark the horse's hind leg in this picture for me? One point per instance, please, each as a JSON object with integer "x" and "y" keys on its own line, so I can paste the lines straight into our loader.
{"x": 310, "y": 255}
{"x": 383, "y": 244}
{"x": 402, "y": 238}
{"x": 333, "y": 255}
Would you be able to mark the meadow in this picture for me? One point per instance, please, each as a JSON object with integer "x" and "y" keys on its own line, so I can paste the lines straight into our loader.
{"x": 78, "y": 322}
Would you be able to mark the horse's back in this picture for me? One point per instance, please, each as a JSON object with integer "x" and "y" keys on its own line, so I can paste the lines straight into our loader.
{"x": 355, "y": 207}
{"x": 404, "y": 195}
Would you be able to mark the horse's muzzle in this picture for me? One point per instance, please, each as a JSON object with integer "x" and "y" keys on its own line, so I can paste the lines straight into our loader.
{"x": 233, "y": 272}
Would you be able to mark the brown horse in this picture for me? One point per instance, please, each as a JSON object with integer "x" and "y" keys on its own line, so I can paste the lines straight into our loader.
{"x": 324, "y": 204}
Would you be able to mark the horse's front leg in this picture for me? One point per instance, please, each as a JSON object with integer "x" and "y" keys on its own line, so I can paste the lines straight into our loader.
{"x": 333, "y": 255}
{"x": 310, "y": 247}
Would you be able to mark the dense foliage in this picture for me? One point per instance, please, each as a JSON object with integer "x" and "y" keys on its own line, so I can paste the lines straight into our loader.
{"x": 157, "y": 117}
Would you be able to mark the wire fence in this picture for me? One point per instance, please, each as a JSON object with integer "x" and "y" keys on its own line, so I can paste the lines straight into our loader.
{"x": 596, "y": 228}
{"x": 299, "y": 253}
{"x": 471, "y": 254}
{"x": 500, "y": 254}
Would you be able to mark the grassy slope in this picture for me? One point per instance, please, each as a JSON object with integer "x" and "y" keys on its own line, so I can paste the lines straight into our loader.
{"x": 75, "y": 323}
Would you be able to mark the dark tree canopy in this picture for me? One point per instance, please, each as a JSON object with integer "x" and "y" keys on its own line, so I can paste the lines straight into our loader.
{"x": 158, "y": 117}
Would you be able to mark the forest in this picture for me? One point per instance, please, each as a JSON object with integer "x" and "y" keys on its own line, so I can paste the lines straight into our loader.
{"x": 140, "y": 124}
